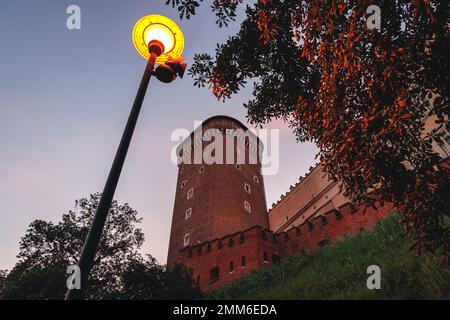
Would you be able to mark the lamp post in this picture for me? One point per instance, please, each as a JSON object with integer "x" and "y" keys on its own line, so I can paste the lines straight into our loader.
{"x": 160, "y": 41}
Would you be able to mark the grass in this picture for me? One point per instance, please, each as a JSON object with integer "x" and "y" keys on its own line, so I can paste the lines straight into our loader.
{"x": 339, "y": 271}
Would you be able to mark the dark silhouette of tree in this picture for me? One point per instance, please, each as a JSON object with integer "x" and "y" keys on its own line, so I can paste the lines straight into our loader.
{"x": 146, "y": 279}
{"x": 3, "y": 275}
{"x": 47, "y": 249}
{"x": 360, "y": 94}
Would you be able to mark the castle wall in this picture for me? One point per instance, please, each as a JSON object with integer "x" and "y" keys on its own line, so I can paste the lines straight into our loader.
{"x": 262, "y": 247}
{"x": 313, "y": 195}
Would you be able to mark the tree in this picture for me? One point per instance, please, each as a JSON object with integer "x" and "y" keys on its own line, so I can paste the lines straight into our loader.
{"x": 3, "y": 275}
{"x": 47, "y": 249}
{"x": 146, "y": 279}
{"x": 361, "y": 95}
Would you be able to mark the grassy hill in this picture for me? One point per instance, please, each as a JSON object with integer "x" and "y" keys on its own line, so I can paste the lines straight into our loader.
{"x": 339, "y": 271}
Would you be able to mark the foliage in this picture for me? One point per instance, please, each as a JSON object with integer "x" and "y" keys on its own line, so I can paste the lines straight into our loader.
{"x": 3, "y": 275}
{"x": 225, "y": 10}
{"x": 145, "y": 279}
{"x": 361, "y": 95}
{"x": 339, "y": 271}
{"x": 47, "y": 249}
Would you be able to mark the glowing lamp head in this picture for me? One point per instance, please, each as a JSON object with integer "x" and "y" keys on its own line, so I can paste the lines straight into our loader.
{"x": 161, "y": 29}
{"x": 162, "y": 34}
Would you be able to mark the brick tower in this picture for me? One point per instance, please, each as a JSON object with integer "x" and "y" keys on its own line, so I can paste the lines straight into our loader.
{"x": 220, "y": 198}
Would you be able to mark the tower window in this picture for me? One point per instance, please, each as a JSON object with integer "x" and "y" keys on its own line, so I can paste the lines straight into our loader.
{"x": 183, "y": 184}
{"x": 190, "y": 193}
{"x": 188, "y": 213}
{"x": 247, "y": 188}
{"x": 243, "y": 262}
{"x": 214, "y": 274}
{"x": 238, "y": 166}
{"x": 187, "y": 238}
{"x": 247, "y": 207}
{"x": 256, "y": 179}
{"x": 265, "y": 257}
{"x": 201, "y": 170}
{"x": 231, "y": 267}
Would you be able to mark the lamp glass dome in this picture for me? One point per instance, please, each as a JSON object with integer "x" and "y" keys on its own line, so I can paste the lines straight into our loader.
{"x": 157, "y": 27}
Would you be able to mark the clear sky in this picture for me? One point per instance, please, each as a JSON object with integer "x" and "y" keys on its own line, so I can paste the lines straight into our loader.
{"x": 64, "y": 100}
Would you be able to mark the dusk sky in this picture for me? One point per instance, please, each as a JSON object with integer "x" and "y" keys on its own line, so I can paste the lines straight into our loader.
{"x": 65, "y": 96}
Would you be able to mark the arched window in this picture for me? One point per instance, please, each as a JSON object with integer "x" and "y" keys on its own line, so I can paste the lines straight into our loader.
{"x": 190, "y": 193}
{"x": 247, "y": 207}
{"x": 186, "y": 239}
{"x": 188, "y": 213}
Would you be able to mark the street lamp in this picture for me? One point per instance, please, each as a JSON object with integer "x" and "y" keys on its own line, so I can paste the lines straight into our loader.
{"x": 159, "y": 40}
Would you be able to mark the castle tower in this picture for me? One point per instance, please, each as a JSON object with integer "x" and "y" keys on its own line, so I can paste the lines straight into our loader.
{"x": 215, "y": 198}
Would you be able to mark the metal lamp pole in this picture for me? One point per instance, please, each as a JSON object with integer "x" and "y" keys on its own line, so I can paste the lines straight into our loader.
{"x": 91, "y": 243}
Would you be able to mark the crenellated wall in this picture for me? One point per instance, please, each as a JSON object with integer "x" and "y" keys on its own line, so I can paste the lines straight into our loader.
{"x": 261, "y": 247}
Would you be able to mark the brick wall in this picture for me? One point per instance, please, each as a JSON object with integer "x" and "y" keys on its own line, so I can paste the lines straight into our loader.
{"x": 262, "y": 247}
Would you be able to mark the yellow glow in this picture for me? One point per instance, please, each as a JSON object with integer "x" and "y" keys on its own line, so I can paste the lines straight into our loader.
{"x": 161, "y": 33}
{"x": 156, "y": 27}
